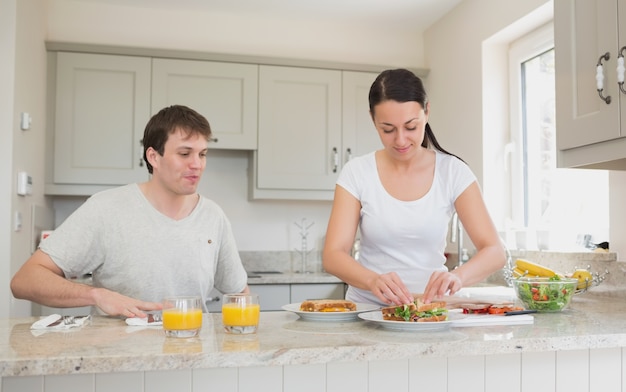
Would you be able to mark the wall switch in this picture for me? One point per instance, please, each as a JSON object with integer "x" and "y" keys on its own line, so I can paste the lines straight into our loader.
{"x": 25, "y": 121}
{"x": 17, "y": 221}
{"x": 24, "y": 184}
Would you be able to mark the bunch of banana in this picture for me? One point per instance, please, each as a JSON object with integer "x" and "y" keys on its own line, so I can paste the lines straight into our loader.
{"x": 528, "y": 268}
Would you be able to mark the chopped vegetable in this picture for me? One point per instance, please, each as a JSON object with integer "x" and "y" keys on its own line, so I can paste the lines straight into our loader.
{"x": 549, "y": 295}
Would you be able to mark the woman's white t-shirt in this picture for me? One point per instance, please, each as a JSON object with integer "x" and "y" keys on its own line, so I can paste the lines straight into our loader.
{"x": 406, "y": 237}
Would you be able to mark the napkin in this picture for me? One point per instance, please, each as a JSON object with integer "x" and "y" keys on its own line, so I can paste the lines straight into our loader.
{"x": 56, "y": 322}
{"x": 151, "y": 319}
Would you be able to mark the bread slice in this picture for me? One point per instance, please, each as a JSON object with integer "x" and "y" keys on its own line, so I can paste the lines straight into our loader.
{"x": 327, "y": 305}
{"x": 416, "y": 311}
{"x": 422, "y": 307}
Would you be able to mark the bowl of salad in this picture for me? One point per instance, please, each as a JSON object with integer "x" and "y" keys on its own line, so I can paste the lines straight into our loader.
{"x": 545, "y": 294}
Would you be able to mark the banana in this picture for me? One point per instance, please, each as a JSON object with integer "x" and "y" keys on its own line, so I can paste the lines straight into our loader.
{"x": 534, "y": 269}
{"x": 585, "y": 278}
{"x": 517, "y": 273}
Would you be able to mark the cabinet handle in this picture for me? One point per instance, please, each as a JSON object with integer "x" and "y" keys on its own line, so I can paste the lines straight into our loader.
{"x": 600, "y": 77}
{"x": 621, "y": 69}
{"x": 335, "y": 159}
{"x": 348, "y": 154}
{"x": 141, "y": 153}
{"x": 213, "y": 299}
{"x": 214, "y": 140}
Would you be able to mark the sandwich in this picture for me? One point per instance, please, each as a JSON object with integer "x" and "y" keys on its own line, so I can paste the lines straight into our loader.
{"x": 327, "y": 305}
{"x": 417, "y": 311}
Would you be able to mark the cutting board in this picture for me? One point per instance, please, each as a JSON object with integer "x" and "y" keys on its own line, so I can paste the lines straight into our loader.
{"x": 477, "y": 320}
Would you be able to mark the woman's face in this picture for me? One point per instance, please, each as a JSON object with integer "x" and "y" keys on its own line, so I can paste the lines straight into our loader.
{"x": 401, "y": 126}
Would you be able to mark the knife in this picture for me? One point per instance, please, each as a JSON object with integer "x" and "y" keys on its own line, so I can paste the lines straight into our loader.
{"x": 516, "y": 312}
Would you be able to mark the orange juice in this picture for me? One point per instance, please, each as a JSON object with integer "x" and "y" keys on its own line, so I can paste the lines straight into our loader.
{"x": 175, "y": 319}
{"x": 240, "y": 315}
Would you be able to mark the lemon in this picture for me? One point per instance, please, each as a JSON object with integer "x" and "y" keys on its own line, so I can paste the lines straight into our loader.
{"x": 585, "y": 278}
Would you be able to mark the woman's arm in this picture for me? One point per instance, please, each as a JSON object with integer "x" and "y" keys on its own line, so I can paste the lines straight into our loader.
{"x": 490, "y": 255}
{"x": 336, "y": 258}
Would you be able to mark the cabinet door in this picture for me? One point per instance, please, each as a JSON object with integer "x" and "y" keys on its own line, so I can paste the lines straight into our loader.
{"x": 299, "y": 128}
{"x": 271, "y": 296}
{"x": 102, "y": 106}
{"x": 225, "y": 93}
{"x": 301, "y": 292}
{"x": 584, "y": 30}
{"x": 358, "y": 133}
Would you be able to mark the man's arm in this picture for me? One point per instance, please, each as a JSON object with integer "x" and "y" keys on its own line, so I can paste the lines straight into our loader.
{"x": 40, "y": 280}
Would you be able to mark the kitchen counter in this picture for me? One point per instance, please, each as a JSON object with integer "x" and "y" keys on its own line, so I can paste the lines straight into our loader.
{"x": 109, "y": 345}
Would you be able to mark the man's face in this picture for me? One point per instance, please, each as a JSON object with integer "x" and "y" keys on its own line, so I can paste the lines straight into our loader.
{"x": 180, "y": 168}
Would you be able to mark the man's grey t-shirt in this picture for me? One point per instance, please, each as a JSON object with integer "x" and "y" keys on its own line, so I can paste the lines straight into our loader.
{"x": 133, "y": 249}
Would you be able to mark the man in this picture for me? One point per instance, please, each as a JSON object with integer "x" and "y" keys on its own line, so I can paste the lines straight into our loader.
{"x": 142, "y": 242}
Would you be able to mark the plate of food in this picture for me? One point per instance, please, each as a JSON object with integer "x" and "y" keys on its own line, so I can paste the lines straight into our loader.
{"x": 329, "y": 309}
{"x": 416, "y": 316}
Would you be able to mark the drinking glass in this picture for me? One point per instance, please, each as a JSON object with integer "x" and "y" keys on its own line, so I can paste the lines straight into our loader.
{"x": 240, "y": 313}
{"x": 182, "y": 316}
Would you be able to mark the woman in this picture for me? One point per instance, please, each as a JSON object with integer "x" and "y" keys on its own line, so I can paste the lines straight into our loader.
{"x": 402, "y": 198}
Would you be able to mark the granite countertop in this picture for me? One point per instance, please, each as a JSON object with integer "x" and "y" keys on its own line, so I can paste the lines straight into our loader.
{"x": 109, "y": 345}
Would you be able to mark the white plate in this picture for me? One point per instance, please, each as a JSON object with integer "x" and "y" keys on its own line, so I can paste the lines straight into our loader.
{"x": 330, "y": 316}
{"x": 377, "y": 317}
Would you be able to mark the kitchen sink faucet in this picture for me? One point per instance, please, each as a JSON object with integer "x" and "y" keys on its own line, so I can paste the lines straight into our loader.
{"x": 456, "y": 236}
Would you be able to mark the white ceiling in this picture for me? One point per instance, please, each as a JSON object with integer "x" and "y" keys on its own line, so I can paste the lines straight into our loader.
{"x": 416, "y": 15}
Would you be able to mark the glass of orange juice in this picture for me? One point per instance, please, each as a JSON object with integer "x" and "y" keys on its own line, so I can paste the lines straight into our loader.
{"x": 240, "y": 313}
{"x": 182, "y": 316}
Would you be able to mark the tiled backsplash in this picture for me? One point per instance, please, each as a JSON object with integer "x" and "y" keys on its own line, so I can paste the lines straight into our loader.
{"x": 283, "y": 261}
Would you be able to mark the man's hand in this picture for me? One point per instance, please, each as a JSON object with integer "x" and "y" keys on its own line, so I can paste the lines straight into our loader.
{"x": 115, "y": 304}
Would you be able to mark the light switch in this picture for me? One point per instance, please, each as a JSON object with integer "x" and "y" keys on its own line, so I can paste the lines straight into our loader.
{"x": 24, "y": 184}
{"x": 17, "y": 221}
{"x": 25, "y": 121}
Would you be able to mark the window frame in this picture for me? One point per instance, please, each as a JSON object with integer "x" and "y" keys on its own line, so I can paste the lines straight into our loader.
{"x": 525, "y": 48}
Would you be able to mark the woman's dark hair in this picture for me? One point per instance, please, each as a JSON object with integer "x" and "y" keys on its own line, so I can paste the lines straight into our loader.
{"x": 167, "y": 121}
{"x": 402, "y": 85}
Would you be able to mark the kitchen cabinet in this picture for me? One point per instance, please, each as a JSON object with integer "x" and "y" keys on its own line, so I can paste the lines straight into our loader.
{"x": 102, "y": 105}
{"x": 301, "y": 292}
{"x": 311, "y": 121}
{"x": 275, "y": 296}
{"x": 591, "y": 127}
{"x": 225, "y": 93}
{"x": 103, "y": 102}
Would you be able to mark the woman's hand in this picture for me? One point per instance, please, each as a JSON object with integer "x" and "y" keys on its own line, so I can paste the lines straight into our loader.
{"x": 390, "y": 289}
{"x": 440, "y": 284}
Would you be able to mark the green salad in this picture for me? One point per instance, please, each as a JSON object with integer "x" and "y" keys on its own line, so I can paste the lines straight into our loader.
{"x": 547, "y": 295}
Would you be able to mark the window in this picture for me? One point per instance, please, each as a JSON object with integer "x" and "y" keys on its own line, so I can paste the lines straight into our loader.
{"x": 560, "y": 205}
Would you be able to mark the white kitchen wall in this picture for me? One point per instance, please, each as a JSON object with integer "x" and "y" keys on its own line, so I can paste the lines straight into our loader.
{"x": 26, "y": 68}
{"x": 260, "y": 32}
{"x": 7, "y": 72}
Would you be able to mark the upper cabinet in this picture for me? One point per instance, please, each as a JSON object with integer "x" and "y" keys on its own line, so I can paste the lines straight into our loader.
{"x": 225, "y": 93}
{"x": 102, "y": 104}
{"x": 590, "y": 40}
{"x": 301, "y": 122}
{"x": 358, "y": 131}
{"x": 299, "y": 128}
{"x": 311, "y": 121}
